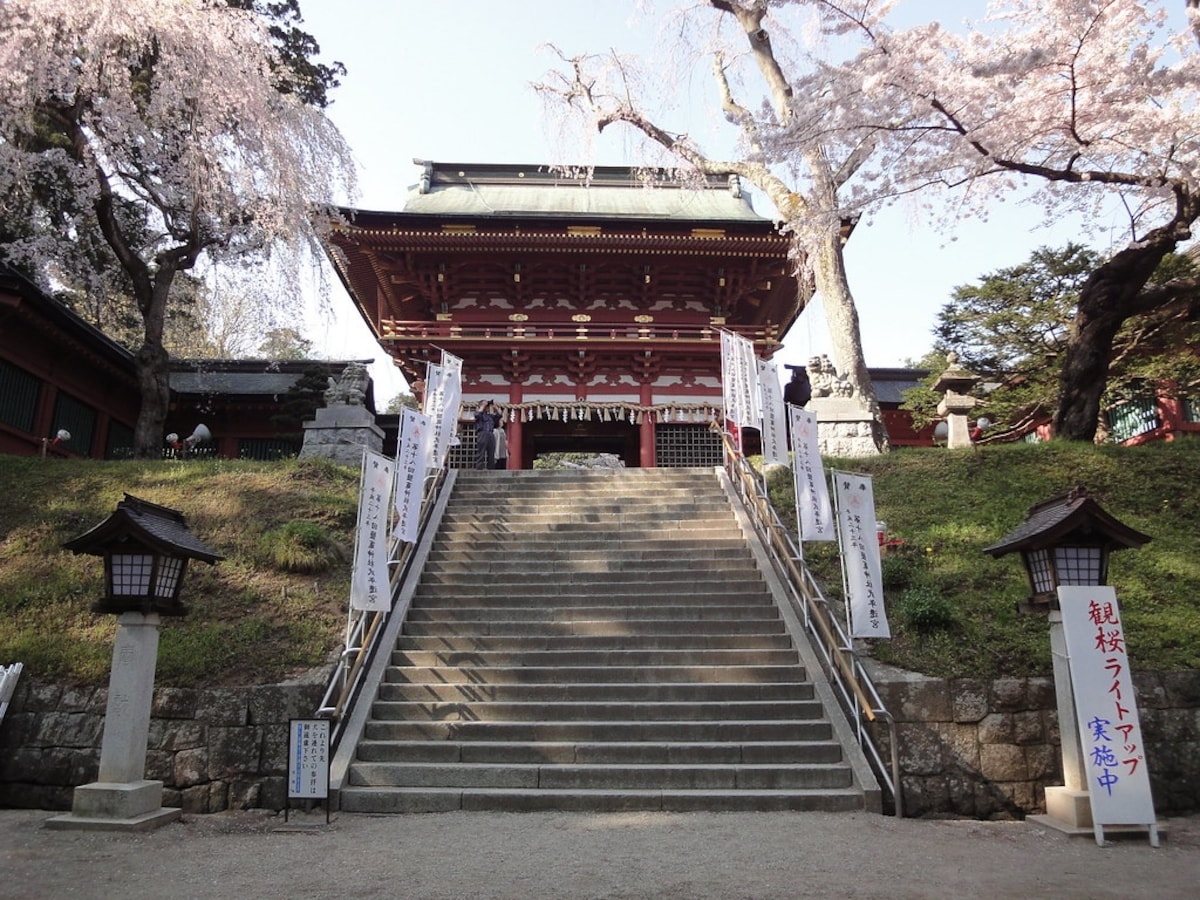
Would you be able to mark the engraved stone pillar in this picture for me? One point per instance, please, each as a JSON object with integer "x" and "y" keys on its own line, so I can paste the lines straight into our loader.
{"x": 122, "y": 798}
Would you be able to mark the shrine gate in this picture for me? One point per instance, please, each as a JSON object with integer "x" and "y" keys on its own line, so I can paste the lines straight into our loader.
{"x": 588, "y": 308}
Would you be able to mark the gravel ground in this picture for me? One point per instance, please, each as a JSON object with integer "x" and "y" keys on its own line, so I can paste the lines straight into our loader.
{"x": 550, "y": 855}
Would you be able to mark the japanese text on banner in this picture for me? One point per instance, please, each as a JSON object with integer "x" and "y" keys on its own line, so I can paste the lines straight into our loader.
{"x": 860, "y": 555}
{"x": 369, "y": 588}
{"x": 412, "y": 455}
{"x": 814, "y": 515}
{"x": 774, "y": 430}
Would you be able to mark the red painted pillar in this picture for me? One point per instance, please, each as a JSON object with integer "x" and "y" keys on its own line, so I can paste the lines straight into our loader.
{"x": 514, "y": 428}
{"x": 647, "y": 458}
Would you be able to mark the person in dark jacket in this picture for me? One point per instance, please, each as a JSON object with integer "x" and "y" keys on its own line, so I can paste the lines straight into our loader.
{"x": 485, "y": 439}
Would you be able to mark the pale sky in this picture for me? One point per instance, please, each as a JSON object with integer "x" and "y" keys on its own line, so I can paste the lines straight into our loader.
{"x": 449, "y": 82}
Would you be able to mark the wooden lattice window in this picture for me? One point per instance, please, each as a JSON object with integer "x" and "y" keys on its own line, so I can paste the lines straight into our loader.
{"x": 18, "y": 397}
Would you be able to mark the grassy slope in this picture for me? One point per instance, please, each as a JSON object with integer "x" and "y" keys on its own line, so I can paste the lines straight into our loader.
{"x": 276, "y": 604}
{"x": 953, "y": 607}
{"x": 256, "y": 616}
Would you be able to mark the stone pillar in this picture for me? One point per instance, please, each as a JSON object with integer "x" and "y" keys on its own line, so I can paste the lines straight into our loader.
{"x": 1068, "y": 805}
{"x": 122, "y": 798}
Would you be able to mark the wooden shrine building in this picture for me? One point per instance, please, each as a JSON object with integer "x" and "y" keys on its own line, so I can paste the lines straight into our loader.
{"x": 589, "y": 309}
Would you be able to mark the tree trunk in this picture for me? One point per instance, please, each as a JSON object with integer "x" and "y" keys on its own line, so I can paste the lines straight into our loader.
{"x": 153, "y": 376}
{"x": 829, "y": 274}
{"x": 153, "y": 364}
{"x": 1108, "y": 298}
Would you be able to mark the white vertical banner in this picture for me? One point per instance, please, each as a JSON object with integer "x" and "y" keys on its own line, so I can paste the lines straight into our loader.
{"x": 1106, "y": 709}
{"x": 774, "y": 429}
{"x": 860, "y": 555}
{"x": 452, "y": 362}
{"x": 369, "y": 580}
{"x": 749, "y": 373}
{"x": 739, "y": 380}
{"x": 443, "y": 394}
{"x": 412, "y": 455}
{"x": 729, "y": 388}
{"x": 814, "y": 516}
{"x": 447, "y": 424}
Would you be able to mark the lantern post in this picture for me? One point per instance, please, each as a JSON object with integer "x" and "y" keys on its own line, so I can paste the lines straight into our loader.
{"x": 146, "y": 548}
{"x": 1065, "y": 541}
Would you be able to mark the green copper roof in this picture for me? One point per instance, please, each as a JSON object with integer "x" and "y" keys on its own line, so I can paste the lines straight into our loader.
{"x": 457, "y": 189}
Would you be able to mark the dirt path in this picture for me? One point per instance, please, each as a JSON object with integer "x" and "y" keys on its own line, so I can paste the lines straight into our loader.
{"x": 551, "y": 855}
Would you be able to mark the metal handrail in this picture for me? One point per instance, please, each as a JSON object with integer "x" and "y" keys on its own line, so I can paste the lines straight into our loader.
{"x": 852, "y": 683}
{"x": 363, "y": 627}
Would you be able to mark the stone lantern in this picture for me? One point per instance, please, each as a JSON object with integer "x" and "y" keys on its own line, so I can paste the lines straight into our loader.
{"x": 146, "y": 548}
{"x": 1065, "y": 541}
{"x": 956, "y": 403}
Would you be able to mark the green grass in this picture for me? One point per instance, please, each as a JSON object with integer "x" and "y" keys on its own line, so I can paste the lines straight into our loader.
{"x": 952, "y": 607}
{"x": 275, "y": 605}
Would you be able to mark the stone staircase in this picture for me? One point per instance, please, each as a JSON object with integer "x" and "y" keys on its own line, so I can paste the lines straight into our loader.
{"x": 595, "y": 640}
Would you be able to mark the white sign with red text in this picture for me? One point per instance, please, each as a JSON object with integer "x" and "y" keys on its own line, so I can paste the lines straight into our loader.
{"x": 1105, "y": 707}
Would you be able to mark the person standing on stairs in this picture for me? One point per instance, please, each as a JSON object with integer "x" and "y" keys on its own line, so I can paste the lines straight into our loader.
{"x": 485, "y": 437}
{"x": 501, "y": 440}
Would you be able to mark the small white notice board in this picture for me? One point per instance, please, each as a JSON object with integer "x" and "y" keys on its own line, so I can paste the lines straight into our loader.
{"x": 1110, "y": 733}
{"x": 308, "y": 759}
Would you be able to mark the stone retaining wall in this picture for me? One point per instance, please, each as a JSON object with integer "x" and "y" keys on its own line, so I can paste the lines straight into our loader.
{"x": 988, "y": 748}
{"x": 212, "y": 749}
{"x": 970, "y": 747}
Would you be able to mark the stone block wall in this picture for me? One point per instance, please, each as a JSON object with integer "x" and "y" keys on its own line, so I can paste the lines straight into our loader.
{"x": 989, "y": 748}
{"x": 213, "y": 749}
{"x": 969, "y": 747}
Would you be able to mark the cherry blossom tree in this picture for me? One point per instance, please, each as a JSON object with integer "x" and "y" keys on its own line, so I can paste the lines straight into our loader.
{"x": 753, "y": 89}
{"x": 1092, "y": 104}
{"x": 178, "y": 129}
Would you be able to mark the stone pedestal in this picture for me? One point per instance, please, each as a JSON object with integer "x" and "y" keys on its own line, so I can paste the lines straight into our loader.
{"x": 955, "y": 408}
{"x": 844, "y": 427}
{"x": 339, "y": 433}
{"x": 1068, "y": 807}
{"x": 121, "y": 798}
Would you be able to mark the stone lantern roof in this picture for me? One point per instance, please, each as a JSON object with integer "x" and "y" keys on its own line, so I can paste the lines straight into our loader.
{"x": 1073, "y": 513}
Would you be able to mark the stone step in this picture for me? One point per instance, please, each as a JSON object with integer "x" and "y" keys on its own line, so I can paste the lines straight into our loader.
{"x": 552, "y": 582}
{"x": 569, "y": 544}
{"x": 583, "y": 711}
{"x": 576, "y": 515}
{"x": 517, "y": 554}
{"x": 418, "y": 691}
{"x": 480, "y": 662}
{"x": 510, "y": 596}
{"x": 626, "y": 592}
{"x": 753, "y": 731}
{"x": 510, "y": 565}
{"x": 414, "y": 800}
{"x": 557, "y": 613}
{"x": 603, "y": 753}
{"x": 632, "y": 629}
{"x": 717, "y": 646}
{"x": 709, "y": 777}
{"x": 565, "y": 673}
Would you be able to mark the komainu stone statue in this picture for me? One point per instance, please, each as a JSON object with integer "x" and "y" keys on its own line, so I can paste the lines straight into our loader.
{"x": 826, "y": 382}
{"x": 350, "y": 389}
